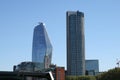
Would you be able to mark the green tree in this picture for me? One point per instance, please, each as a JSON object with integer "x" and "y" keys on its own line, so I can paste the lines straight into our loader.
{"x": 113, "y": 74}
{"x": 80, "y": 78}
{"x": 71, "y": 78}
{"x": 86, "y": 78}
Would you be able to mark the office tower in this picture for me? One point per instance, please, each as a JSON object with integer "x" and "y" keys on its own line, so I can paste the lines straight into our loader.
{"x": 41, "y": 48}
{"x": 92, "y": 67}
{"x": 75, "y": 43}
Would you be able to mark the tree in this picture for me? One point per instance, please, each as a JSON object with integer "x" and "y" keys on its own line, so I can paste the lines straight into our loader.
{"x": 113, "y": 74}
{"x": 80, "y": 78}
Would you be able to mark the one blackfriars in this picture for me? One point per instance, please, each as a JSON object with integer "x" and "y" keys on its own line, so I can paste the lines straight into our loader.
{"x": 41, "y": 48}
{"x": 75, "y": 43}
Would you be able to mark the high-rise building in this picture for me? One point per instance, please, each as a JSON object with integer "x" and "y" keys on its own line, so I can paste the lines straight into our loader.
{"x": 75, "y": 43}
{"x": 41, "y": 48}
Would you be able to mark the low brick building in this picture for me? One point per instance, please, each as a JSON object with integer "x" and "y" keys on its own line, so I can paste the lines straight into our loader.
{"x": 60, "y": 73}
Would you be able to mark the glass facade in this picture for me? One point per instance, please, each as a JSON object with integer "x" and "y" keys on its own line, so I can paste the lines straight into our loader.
{"x": 75, "y": 43}
{"x": 28, "y": 67}
{"x": 41, "y": 48}
{"x": 92, "y": 66}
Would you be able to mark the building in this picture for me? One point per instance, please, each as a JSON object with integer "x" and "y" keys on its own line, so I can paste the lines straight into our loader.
{"x": 92, "y": 67}
{"x": 27, "y": 67}
{"x": 41, "y": 48}
{"x": 75, "y": 43}
{"x": 60, "y": 73}
{"x": 57, "y": 72}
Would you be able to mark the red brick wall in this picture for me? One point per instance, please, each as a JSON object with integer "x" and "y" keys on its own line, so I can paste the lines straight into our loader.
{"x": 60, "y": 73}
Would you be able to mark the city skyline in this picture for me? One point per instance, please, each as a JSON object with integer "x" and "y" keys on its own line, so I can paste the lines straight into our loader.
{"x": 18, "y": 19}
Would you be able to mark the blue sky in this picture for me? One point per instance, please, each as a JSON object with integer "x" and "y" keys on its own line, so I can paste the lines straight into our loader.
{"x": 19, "y": 17}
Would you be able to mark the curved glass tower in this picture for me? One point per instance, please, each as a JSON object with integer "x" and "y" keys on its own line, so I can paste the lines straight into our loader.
{"x": 41, "y": 48}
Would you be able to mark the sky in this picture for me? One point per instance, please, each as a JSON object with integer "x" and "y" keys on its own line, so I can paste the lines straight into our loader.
{"x": 19, "y": 17}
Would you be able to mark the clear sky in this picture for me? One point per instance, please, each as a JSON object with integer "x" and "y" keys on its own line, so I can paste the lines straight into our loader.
{"x": 19, "y": 17}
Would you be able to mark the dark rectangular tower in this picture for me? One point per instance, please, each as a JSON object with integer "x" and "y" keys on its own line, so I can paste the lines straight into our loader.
{"x": 75, "y": 43}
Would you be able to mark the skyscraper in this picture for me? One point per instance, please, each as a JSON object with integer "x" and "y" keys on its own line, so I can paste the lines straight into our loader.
{"x": 41, "y": 48}
{"x": 75, "y": 43}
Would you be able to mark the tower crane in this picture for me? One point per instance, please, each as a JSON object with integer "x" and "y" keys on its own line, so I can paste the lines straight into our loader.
{"x": 118, "y": 63}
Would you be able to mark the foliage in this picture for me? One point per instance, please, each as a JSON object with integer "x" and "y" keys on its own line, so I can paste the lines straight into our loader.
{"x": 71, "y": 78}
{"x": 86, "y": 78}
{"x": 80, "y": 78}
{"x": 113, "y": 74}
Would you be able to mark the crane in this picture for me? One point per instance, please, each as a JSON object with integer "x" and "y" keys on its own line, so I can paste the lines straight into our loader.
{"x": 118, "y": 63}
